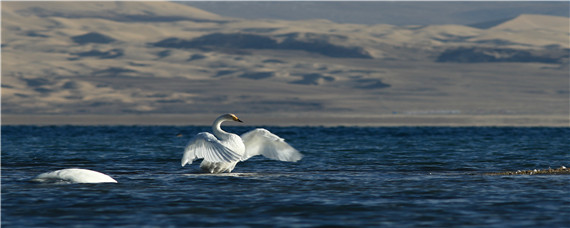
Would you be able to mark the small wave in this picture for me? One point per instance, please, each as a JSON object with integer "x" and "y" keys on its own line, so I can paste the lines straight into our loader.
{"x": 235, "y": 174}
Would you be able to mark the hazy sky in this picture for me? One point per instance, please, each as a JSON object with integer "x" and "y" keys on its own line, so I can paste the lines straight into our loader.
{"x": 385, "y": 12}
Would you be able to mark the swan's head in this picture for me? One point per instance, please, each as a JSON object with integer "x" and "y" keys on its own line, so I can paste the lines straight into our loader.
{"x": 231, "y": 116}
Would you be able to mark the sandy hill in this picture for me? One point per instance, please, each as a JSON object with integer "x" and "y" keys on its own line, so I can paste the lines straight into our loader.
{"x": 163, "y": 57}
{"x": 535, "y": 22}
{"x": 120, "y": 11}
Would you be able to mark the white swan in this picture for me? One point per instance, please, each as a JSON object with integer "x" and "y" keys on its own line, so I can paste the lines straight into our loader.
{"x": 222, "y": 150}
{"x": 74, "y": 176}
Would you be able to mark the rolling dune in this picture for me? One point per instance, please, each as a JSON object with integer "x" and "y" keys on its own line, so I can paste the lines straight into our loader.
{"x": 153, "y": 59}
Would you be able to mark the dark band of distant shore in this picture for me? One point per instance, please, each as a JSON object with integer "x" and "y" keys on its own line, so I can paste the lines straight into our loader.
{"x": 297, "y": 120}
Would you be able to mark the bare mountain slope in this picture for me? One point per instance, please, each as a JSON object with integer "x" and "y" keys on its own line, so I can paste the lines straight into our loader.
{"x": 535, "y": 22}
{"x": 162, "y": 57}
{"x": 117, "y": 11}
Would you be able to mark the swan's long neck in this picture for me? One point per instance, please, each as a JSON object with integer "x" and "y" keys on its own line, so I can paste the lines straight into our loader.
{"x": 217, "y": 129}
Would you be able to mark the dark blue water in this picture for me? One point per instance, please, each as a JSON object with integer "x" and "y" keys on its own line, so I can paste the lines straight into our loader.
{"x": 358, "y": 177}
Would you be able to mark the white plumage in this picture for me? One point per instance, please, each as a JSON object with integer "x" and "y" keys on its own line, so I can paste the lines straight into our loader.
{"x": 74, "y": 176}
{"x": 262, "y": 142}
{"x": 221, "y": 151}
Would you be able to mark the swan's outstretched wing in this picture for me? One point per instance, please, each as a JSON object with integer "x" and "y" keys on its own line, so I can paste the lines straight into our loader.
{"x": 207, "y": 146}
{"x": 262, "y": 142}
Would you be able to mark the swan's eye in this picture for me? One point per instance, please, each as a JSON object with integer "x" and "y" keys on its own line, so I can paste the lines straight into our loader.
{"x": 234, "y": 118}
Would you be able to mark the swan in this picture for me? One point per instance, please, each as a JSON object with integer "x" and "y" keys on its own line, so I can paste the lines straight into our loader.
{"x": 221, "y": 151}
{"x": 74, "y": 175}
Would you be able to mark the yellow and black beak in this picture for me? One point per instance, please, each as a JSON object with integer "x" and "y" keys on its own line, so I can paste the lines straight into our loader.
{"x": 235, "y": 118}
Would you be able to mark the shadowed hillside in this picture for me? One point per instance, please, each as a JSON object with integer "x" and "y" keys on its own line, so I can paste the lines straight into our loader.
{"x": 217, "y": 41}
{"x": 164, "y": 57}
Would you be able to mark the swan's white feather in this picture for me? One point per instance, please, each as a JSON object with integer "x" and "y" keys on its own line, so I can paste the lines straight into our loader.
{"x": 217, "y": 167}
{"x": 207, "y": 146}
{"x": 262, "y": 142}
{"x": 74, "y": 176}
{"x": 221, "y": 151}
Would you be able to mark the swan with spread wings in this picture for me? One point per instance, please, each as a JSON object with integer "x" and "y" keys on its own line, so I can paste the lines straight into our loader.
{"x": 221, "y": 151}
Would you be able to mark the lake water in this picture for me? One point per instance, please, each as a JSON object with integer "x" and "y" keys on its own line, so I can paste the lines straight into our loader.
{"x": 354, "y": 177}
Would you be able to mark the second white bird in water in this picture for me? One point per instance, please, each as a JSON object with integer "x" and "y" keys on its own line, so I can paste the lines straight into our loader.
{"x": 74, "y": 176}
{"x": 221, "y": 151}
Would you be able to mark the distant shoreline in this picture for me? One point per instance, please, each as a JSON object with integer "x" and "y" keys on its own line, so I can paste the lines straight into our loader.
{"x": 303, "y": 119}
